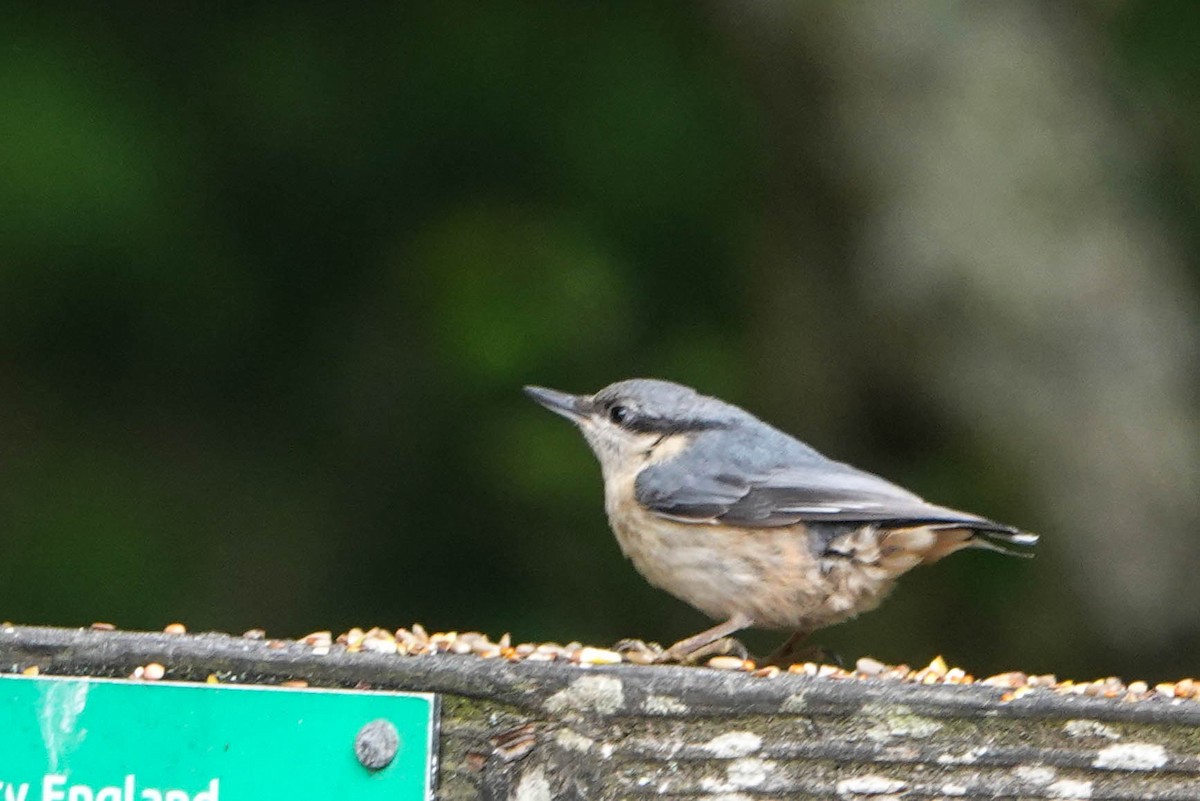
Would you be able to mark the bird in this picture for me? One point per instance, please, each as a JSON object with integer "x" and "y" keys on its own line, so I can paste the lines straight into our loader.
{"x": 748, "y": 524}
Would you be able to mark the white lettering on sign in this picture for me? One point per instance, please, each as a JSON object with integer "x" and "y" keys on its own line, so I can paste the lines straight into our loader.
{"x": 50, "y": 785}
{"x": 14, "y": 791}
{"x": 55, "y": 788}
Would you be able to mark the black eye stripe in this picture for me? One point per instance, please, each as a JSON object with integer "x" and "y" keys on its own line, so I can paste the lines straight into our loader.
{"x": 632, "y": 419}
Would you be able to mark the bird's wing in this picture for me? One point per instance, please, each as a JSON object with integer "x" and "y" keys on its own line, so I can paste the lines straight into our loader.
{"x": 701, "y": 490}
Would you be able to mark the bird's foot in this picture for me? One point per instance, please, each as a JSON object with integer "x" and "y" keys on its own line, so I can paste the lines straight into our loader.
{"x": 639, "y": 652}
{"x": 725, "y": 646}
{"x": 785, "y": 656}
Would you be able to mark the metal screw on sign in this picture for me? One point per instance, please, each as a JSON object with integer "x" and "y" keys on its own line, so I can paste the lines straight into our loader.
{"x": 376, "y": 744}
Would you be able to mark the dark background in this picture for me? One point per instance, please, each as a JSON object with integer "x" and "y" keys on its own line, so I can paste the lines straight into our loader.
{"x": 271, "y": 281}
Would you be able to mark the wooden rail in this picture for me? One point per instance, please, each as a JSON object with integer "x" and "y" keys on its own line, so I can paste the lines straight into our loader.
{"x": 535, "y": 731}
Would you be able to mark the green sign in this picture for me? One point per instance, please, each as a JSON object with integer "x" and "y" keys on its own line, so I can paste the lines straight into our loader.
{"x": 110, "y": 740}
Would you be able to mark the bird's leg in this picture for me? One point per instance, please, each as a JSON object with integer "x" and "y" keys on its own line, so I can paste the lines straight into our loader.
{"x": 791, "y": 652}
{"x": 690, "y": 649}
{"x": 786, "y": 654}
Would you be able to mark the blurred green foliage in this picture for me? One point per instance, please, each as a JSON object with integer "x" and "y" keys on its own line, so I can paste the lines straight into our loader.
{"x": 271, "y": 280}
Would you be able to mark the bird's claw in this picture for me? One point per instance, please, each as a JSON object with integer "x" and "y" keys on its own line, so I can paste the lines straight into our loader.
{"x": 639, "y": 652}
{"x": 784, "y": 657}
{"x": 726, "y": 646}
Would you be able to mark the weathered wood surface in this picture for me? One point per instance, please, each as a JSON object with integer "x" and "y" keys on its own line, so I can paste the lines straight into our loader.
{"x": 532, "y": 731}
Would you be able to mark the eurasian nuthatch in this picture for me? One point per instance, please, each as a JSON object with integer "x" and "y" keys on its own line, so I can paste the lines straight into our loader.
{"x": 749, "y": 525}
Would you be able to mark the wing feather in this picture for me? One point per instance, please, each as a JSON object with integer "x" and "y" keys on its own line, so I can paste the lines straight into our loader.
{"x": 720, "y": 480}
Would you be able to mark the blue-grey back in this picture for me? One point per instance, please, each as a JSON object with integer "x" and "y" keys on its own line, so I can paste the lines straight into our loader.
{"x": 751, "y": 474}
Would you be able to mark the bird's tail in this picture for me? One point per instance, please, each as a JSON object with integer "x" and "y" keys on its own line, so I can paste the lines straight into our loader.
{"x": 987, "y": 535}
{"x": 904, "y": 548}
{"x": 1004, "y": 539}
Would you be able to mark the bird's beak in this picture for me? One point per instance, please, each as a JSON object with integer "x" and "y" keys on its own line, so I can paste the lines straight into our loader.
{"x": 575, "y": 408}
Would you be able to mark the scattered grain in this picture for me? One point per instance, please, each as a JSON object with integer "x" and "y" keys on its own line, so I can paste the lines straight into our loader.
{"x": 725, "y": 662}
{"x": 598, "y": 656}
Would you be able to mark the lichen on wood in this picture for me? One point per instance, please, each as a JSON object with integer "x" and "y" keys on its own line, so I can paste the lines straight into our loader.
{"x": 543, "y": 730}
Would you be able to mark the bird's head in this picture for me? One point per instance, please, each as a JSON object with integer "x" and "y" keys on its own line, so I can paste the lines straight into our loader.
{"x": 626, "y": 422}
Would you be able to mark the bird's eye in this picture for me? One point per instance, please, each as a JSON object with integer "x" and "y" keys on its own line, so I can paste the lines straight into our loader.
{"x": 619, "y": 414}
